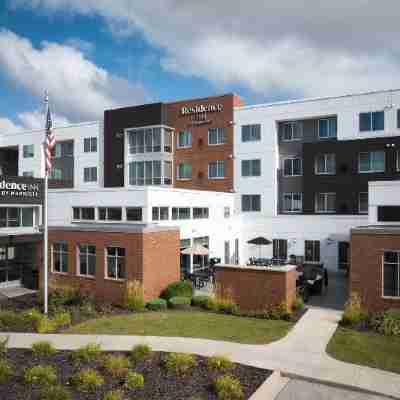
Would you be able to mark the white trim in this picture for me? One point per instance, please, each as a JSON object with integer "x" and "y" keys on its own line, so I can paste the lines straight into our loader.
{"x": 78, "y": 261}
{"x": 116, "y": 267}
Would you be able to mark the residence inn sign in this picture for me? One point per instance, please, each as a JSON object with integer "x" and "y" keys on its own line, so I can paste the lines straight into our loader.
{"x": 21, "y": 190}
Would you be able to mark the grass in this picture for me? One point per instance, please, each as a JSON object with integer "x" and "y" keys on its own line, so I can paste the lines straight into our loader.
{"x": 366, "y": 348}
{"x": 196, "y": 324}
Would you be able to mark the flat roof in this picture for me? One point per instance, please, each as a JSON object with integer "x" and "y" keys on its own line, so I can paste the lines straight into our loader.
{"x": 120, "y": 228}
{"x": 378, "y": 229}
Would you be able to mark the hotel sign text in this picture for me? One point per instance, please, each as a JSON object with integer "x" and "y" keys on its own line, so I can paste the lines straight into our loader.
{"x": 201, "y": 108}
{"x": 21, "y": 190}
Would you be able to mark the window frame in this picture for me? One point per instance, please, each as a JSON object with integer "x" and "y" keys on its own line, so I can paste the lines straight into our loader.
{"x": 292, "y": 194}
{"x": 90, "y": 144}
{"x": 325, "y": 211}
{"x": 136, "y": 209}
{"x": 253, "y": 135}
{"x": 251, "y": 198}
{"x": 372, "y": 171}
{"x": 325, "y": 164}
{"x": 28, "y": 151}
{"x": 398, "y": 274}
{"x": 251, "y": 168}
{"x": 178, "y": 171}
{"x": 87, "y": 256}
{"x": 359, "y": 203}
{"x": 81, "y": 213}
{"x": 178, "y": 213}
{"x": 116, "y": 257}
{"x": 316, "y": 250}
{"x": 292, "y": 166}
{"x": 92, "y": 175}
{"x": 61, "y": 253}
{"x": 292, "y": 124}
{"x": 202, "y": 212}
{"x": 158, "y": 209}
{"x": 185, "y": 146}
{"x": 329, "y": 136}
{"x": 107, "y": 208}
{"x": 371, "y": 124}
{"x": 218, "y": 166}
{"x": 220, "y": 133}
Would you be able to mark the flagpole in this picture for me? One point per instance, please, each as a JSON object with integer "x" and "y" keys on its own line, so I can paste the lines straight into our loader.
{"x": 45, "y": 228}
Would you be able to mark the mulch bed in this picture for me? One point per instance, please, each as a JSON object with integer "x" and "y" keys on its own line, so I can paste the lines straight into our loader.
{"x": 159, "y": 383}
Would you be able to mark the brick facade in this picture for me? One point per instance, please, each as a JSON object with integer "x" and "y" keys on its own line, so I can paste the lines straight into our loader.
{"x": 367, "y": 250}
{"x": 257, "y": 289}
{"x": 153, "y": 258}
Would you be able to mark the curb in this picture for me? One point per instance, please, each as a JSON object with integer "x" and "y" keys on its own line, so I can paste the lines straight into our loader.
{"x": 271, "y": 387}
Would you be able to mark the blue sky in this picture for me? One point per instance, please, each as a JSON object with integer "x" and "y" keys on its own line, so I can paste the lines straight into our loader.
{"x": 96, "y": 54}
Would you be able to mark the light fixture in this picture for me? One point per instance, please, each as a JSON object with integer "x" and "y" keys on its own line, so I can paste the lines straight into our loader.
{"x": 329, "y": 241}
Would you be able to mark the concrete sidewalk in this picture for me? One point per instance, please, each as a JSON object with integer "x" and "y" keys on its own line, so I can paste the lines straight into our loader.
{"x": 301, "y": 353}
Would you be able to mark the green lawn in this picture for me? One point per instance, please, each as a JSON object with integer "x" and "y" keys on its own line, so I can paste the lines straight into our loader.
{"x": 364, "y": 348}
{"x": 195, "y": 324}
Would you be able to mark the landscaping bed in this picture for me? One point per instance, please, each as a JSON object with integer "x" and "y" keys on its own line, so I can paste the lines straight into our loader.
{"x": 161, "y": 380}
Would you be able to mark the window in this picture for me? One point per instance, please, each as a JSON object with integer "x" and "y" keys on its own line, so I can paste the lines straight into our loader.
{"x": 363, "y": 203}
{"x": 216, "y": 169}
{"x": 146, "y": 140}
{"x": 167, "y": 172}
{"x": 28, "y": 174}
{"x": 90, "y": 145}
{"x": 398, "y": 160}
{"x": 389, "y": 213}
{"x": 312, "y": 251}
{"x": 145, "y": 173}
{"x": 110, "y": 213}
{"x": 26, "y": 217}
{"x": 292, "y": 202}
{"x": 391, "y": 274}
{"x": 28, "y": 151}
{"x": 83, "y": 213}
{"x": 216, "y": 136}
{"x": 200, "y": 212}
{"x": 292, "y": 167}
{"x": 279, "y": 248}
{"x": 325, "y": 202}
{"x": 227, "y": 212}
{"x": 180, "y": 213}
{"x": 251, "y": 133}
{"x": 184, "y": 171}
{"x": 327, "y": 128}
{"x": 167, "y": 141}
{"x": 87, "y": 260}
{"x": 115, "y": 263}
{"x": 184, "y": 139}
{"x": 63, "y": 149}
{"x": 60, "y": 257}
{"x": 251, "y": 202}
{"x": 90, "y": 174}
{"x": 160, "y": 213}
{"x": 372, "y": 121}
{"x": 325, "y": 164}
{"x": 134, "y": 214}
{"x": 373, "y": 161}
{"x": 292, "y": 131}
{"x": 251, "y": 168}
{"x": 14, "y": 217}
{"x": 56, "y": 173}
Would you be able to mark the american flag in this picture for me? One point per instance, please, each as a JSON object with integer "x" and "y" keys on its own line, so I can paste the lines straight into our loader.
{"x": 50, "y": 139}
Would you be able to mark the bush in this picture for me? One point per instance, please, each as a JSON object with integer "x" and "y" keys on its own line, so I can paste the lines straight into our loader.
{"x": 116, "y": 366}
{"x": 353, "y": 313}
{"x": 228, "y": 388}
{"x": 211, "y": 304}
{"x": 17, "y": 322}
{"x": 55, "y": 393}
{"x": 298, "y": 303}
{"x": 281, "y": 311}
{"x": 180, "y": 289}
{"x": 65, "y": 295}
{"x": 224, "y": 301}
{"x": 180, "y": 362}
{"x": 134, "y": 381}
{"x": 157, "y": 304}
{"x": 387, "y": 323}
{"x": 41, "y": 375}
{"x": 88, "y": 353}
{"x": 219, "y": 363}
{"x": 87, "y": 380}
{"x": 3, "y": 346}
{"x": 62, "y": 320}
{"x": 45, "y": 325}
{"x": 179, "y": 302}
{"x": 113, "y": 395}
{"x": 200, "y": 301}
{"x": 43, "y": 349}
{"x": 32, "y": 317}
{"x": 140, "y": 352}
{"x": 133, "y": 297}
{"x": 6, "y": 371}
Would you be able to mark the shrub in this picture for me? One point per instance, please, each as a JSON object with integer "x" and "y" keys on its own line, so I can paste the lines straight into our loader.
{"x": 298, "y": 303}
{"x": 87, "y": 380}
{"x": 387, "y": 323}
{"x": 140, "y": 352}
{"x": 200, "y": 301}
{"x": 133, "y": 297}
{"x": 224, "y": 301}
{"x": 219, "y": 363}
{"x": 211, "y": 304}
{"x": 353, "y": 313}
{"x": 228, "y": 388}
{"x": 180, "y": 362}
{"x": 3, "y": 346}
{"x": 179, "y": 302}
{"x": 180, "y": 288}
{"x": 12, "y": 321}
{"x": 41, "y": 375}
{"x": 62, "y": 319}
{"x": 32, "y": 317}
{"x": 280, "y": 311}
{"x": 45, "y": 325}
{"x": 43, "y": 349}
{"x": 116, "y": 366}
{"x": 157, "y": 304}
{"x": 6, "y": 371}
{"x": 64, "y": 295}
{"x": 88, "y": 353}
{"x": 134, "y": 381}
{"x": 113, "y": 395}
{"x": 55, "y": 393}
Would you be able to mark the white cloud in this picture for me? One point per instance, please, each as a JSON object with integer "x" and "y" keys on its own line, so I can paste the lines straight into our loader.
{"x": 6, "y": 125}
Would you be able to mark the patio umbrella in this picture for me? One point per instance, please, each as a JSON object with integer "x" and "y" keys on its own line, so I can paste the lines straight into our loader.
{"x": 259, "y": 241}
{"x": 196, "y": 250}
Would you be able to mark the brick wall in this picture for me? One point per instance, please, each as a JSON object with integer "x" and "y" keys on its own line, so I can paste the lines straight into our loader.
{"x": 256, "y": 290}
{"x": 366, "y": 268}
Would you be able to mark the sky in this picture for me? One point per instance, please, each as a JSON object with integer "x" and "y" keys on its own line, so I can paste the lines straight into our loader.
{"x": 92, "y": 55}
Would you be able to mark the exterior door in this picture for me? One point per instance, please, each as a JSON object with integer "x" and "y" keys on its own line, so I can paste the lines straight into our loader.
{"x": 10, "y": 271}
{"x": 343, "y": 256}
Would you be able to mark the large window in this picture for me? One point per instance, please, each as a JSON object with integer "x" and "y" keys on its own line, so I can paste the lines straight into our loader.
{"x": 83, "y": 213}
{"x": 146, "y": 140}
{"x": 216, "y": 136}
{"x": 145, "y": 173}
{"x": 325, "y": 164}
{"x": 13, "y": 217}
{"x": 184, "y": 171}
{"x": 363, "y": 203}
{"x": 292, "y": 131}
{"x": 134, "y": 214}
{"x": 160, "y": 213}
{"x": 391, "y": 274}
{"x": 325, "y": 202}
{"x": 292, "y": 202}
{"x": 372, "y": 121}
{"x": 90, "y": 174}
{"x": 200, "y": 212}
{"x": 251, "y": 202}
{"x": 87, "y": 260}
{"x": 251, "y": 133}
{"x": 115, "y": 268}
{"x": 60, "y": 257}
{"x": 216, "y": 169}
{"x": 180, "y": 212}
{"x": 63, "y": 149}
{"x": 292, "y": 167}
{"x": 251, "y": 168}
{"x": 279, "y": 248}
{"x": 184, "y": 139}
{"x": 327, "y": 128}
{"x": 28, "y": 150}
{"x": 90, "y": 145}
{"x": 373, "y": 161}
{"x": 312, "y": 251}
{"x": 56, "y": 173}
{"x": 110, "y": 213}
